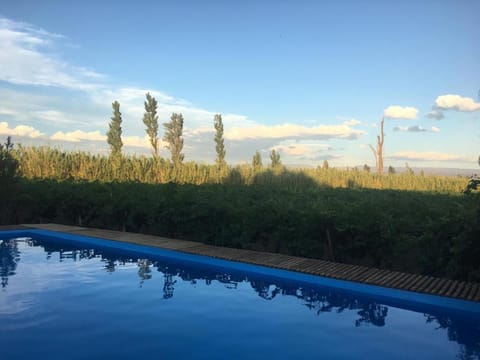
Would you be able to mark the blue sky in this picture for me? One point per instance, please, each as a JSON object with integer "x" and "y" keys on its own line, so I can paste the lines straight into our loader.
{"x": 309, "y": 79}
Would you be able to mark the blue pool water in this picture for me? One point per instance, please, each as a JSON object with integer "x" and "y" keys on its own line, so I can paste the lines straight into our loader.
{"x": 64, "y": 297}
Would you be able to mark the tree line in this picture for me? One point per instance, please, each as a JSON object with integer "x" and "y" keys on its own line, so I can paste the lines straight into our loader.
{"x": 173, "y": 136}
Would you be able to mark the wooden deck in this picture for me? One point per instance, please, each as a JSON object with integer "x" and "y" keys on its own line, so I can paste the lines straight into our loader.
{"x": 392, "y": 279}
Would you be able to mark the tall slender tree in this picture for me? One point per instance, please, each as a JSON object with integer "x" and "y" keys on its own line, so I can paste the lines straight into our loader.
{"x": 173, "y": 137}
{"x": 257, "y": 161}
{"x": 275, "y": 159}
{"x": 150, "y": 119}
{"x": 378, "y": 151}
{"x": 114, "y": 134}
{"x": 219, "y": 142}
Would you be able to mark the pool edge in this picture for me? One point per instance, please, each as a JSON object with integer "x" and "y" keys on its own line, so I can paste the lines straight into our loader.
{"x": 197, "y": 252}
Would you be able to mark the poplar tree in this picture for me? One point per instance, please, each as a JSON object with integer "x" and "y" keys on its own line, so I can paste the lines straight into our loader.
{"x": 275, "y": 158}
{"x": 114, "y": 134}
{"x": 150, "y": 119}
{"x": 219, "y": 142}
{"x": 173, "y": 137}
{"x": 257, "y": 161}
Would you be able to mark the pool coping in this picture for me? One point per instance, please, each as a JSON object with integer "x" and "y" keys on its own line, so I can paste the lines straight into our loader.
{"x": 413, "y": 283}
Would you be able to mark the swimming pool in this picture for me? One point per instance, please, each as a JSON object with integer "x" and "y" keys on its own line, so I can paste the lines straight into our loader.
{"x": 65, "y": 296}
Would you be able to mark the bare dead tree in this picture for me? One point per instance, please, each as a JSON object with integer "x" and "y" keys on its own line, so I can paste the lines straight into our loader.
{"x": 378, "y": 152}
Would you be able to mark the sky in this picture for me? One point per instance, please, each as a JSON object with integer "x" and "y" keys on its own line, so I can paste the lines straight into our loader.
{"x": 310, "y": 79}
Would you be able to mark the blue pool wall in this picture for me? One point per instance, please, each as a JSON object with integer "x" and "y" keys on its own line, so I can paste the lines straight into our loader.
{"x": 394, "y": 297}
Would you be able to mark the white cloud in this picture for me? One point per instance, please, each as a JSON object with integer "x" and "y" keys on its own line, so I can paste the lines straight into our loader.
{"x": 25, "y": 59}
{"x": 415, "y": 128}
{"x": 8, "y": 111}
{"x": 20, "y": 130}
{"x": 427, "y": 156}
{"x": 137, "y": 141}
{"x": 54, "y": 116}
{"x": 435, "y": 129}
{"x": 435, "y": 114}
{"x": 78, "y": 135}
{"x": 352, "y": 122}
{"x": 289, "y": 131}
{"x": 400, "y": 112}
{"x": 456, "y": 102}
{"x": 301, "y": 147}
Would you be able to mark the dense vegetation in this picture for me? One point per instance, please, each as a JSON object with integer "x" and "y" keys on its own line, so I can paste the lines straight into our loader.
{"x": 348, "y": 216}
{"x": 50, "y": 163}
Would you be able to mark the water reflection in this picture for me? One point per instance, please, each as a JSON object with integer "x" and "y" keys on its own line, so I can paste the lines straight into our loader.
{"x": 318, "y": 300}
{"x": 9, "y": 258}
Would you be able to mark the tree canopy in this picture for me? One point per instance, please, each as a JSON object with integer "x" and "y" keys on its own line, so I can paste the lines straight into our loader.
{"x": 173, "y": 137}
{"x": 114, "y": 134}
{"x": 150, "y": 119}
{"x": 219, "y": 141}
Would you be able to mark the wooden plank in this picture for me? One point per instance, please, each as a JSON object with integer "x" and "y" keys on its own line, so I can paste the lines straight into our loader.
{"x": 320, "y": 267}
{"x": 439, "y": 286}
{"x": 297, "y": 263}
{"x": 348, "y": 270}
{"x": 465, "y": 291}
{"x": 358, "y": 273}
{"x": 288, "y": 262}
{"x": 423, "y": 284}
{"x": 387, "y": 278}
{"x": 307, "y": 266}
{"x": 375, "y": 277}
{"x": 477, "y": 295}
{"x": 13, "y": 227}
{"x": 399, "y": 280}
{"x": 442, "y": 289}
{"x": 430, "y": 288}
{"x": 404, "y": 280}
{"x": 347, "y": 275}
{"x": 395, "y": 275}
{"x": 461, "y": 285}
{"x": 414, "y": 280}
{"x": 473, "y": 290}
{"x": 341, "y": 271}
{"x": 330, "y": 270}
{"x": 365, "y": 275}
{"x": 450, "y": 290}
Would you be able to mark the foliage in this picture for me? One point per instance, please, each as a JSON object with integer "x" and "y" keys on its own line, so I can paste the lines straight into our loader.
{"x": 275, "y": 159}
{"x": 257, "y": 162}
{"x": 400, "y": 221}
{"x": 114, "y": 134}
{"x": 173, "y": 137}
{"x": 8, "y": 164}
{"x": 150, "y": 119}
{"x": 51, "y": 163}
{"x": 358, "y": 226}
{"x": 325, "y": 165}
{"x": 8, "y": 180}
{"x": 219, "y": 141}
{"x": 409, "y": 170}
